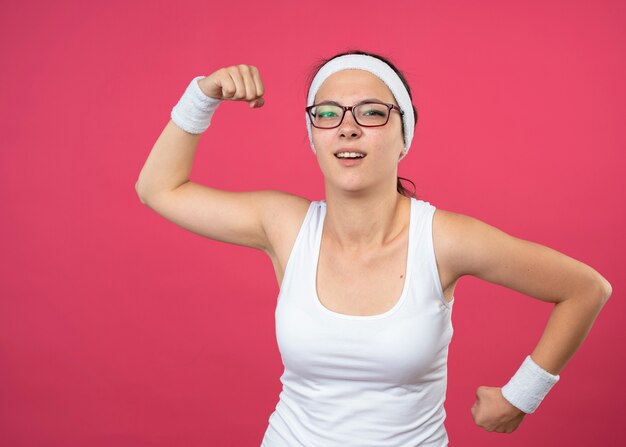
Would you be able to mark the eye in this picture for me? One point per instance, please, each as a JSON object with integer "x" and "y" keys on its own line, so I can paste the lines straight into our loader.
{"x": 372, "y": 110}
{"x": 326, "y": 114}
{"x": 327, "y": 111}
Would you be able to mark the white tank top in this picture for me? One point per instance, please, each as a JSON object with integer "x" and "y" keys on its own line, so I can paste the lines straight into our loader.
{"x": 366, "y": 381}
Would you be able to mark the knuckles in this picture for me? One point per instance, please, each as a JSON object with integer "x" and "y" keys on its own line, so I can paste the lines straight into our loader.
{"x": 248, "y": 74}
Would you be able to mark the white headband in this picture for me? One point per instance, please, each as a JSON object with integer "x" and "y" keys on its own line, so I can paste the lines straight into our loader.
{"x": 378, "y": 68}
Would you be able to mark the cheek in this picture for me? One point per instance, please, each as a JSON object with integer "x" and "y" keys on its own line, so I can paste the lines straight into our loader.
{"x": 320, "y": 139}
{"x": 318, "y": 143}
{"x": 399, "y": 139}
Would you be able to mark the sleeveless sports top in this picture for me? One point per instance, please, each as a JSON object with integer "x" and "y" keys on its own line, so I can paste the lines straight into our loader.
{"x": 367, "y": 381}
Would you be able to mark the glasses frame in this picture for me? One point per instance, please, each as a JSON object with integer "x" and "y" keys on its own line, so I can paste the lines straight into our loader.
{"x": 390, "y": 107}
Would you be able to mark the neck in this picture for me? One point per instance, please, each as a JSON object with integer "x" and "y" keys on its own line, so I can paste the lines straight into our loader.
{"x": 358, "y": 222}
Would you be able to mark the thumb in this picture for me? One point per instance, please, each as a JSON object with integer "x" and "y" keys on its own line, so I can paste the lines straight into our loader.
{"x": 256, "y": 103}
{"x": 479, "y": 394}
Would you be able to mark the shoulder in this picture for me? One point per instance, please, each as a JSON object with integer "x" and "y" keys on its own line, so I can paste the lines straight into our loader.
{"x": 449, "y": 224}
{"x": 466, "y": 245}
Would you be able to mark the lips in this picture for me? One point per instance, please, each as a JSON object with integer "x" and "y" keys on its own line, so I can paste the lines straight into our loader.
{"x": 349, "y": 162}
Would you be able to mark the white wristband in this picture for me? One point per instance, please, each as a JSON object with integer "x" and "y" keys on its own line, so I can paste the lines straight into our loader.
{"x": 529, "y": 386}
{"x": 194, "y": 109}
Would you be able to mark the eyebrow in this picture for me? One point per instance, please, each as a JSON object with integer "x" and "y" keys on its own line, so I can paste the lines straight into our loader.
{"x": 328, "y": 101}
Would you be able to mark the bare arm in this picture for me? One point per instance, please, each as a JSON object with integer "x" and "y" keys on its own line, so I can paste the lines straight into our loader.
{"x": 467, "y": 246}
{"x": 471, "y": 247}
{"x": 234, "y": 217}
{"x": 169, "y": 163}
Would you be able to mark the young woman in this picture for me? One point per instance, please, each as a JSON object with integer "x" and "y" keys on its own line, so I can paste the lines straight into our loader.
{"x": 368, "y": 274}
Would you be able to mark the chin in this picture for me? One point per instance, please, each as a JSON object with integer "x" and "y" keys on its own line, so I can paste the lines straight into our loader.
{"x": 351, "y": 185}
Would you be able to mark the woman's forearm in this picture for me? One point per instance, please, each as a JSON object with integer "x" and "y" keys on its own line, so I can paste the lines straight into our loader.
{"x": 568, "y": 325}
{"x": 169, "y": 163}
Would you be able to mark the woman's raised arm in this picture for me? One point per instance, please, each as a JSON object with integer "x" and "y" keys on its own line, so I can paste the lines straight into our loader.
{"x": 240, "y": 218}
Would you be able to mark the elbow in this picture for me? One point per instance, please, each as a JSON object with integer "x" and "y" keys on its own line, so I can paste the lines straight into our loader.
{"x": 595, "y": 290}
{"x": 606, "y": 288}
{"x": 138, "y": 193}
{"x": 602, "y": 287}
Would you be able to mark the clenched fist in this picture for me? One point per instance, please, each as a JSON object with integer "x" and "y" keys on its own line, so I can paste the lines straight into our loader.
{"x": 493, "y": 412}
{"x": 236, "y": 83}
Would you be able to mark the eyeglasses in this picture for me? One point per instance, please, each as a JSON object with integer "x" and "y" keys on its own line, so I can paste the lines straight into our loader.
{"x": 367, "y": 114}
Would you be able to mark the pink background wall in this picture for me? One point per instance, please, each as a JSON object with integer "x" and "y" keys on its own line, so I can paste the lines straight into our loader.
{"x": 118, "y": 328}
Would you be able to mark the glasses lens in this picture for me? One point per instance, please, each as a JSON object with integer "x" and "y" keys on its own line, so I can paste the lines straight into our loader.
{"x": 371, "y": 114}
{"x": 326, "y": 115}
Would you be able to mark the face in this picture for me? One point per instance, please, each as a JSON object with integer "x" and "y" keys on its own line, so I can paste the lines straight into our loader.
{"x": 382, "y": 145}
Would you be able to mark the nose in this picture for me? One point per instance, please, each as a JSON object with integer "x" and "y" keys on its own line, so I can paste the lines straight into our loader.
{"x": 349, "y": 126}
